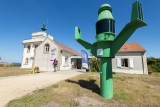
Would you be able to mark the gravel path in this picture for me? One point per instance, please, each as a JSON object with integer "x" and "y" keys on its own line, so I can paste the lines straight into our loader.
{"x": 17, "y": 86}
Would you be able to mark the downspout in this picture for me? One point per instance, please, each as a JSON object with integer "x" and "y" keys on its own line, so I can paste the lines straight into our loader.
{"x": 142, "y": 63}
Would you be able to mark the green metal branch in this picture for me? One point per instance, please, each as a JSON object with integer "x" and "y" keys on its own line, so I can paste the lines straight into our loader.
{"x": 125, "y": 34}
{"x": 78, "y": 38}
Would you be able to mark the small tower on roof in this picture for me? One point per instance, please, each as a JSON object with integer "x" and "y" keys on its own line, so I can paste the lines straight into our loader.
{"x": 43, "y": 28}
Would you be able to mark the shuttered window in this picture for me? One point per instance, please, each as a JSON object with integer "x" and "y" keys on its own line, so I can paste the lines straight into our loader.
{"x": 125, "y": 62}
{"x": 46, "y": 48}
{"x": 119, "y": 63}
{"x": 131, "y": 64}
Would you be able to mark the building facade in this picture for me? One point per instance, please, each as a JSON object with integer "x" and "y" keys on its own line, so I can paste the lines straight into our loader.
{"x": 41, "y": 50}
{"x": 131, "y": 58}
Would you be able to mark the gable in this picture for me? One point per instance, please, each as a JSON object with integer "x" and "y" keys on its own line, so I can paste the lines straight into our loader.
{"x": 48, "y": 41}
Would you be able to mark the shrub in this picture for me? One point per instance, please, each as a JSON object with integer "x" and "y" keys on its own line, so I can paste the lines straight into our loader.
{"x": 153, "y": 64}
{"x": 94, "y": 64}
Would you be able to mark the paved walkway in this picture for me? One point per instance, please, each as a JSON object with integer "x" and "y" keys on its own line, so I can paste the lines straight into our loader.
{"x": 17, "y": 86}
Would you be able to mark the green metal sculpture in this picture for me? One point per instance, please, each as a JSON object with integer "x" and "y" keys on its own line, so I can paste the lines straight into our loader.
{"x": 107, "y": 45}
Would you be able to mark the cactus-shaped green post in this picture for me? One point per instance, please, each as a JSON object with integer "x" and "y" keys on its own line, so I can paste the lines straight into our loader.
{"x": 107, "y": 44}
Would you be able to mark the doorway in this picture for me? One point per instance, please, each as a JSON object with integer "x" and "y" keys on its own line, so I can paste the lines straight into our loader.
{"x": 76, "y": 63}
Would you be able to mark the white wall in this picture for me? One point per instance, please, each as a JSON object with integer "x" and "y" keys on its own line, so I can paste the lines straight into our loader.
{"x": 64, "y": 65}
{"x": 42, "y": 60}
{"x": 28, "y": 55}
{"x": 138, "y": 67}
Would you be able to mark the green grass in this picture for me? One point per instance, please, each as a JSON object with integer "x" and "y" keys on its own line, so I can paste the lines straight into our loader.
{"x": 83, "y": 91}
{"x": 13, "y": 71}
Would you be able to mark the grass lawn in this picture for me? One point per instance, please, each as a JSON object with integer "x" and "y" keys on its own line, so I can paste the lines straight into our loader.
{"x": 83, "y": 91}
{"x": 13, "y": 71}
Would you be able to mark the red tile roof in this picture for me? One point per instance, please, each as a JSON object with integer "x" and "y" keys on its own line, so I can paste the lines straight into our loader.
{"x": 132, "y": 47}
{"x": 67, "y": 48}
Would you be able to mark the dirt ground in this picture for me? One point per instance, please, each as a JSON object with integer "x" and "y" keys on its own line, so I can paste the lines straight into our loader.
{"x": 13, "y": 87}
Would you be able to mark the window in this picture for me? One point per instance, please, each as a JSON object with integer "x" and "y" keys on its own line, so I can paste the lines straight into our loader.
{"x": 66, "y": 61}
{"x": 46, "y": 48}
{"x": 28, "y": 49}
{"x": 26, "y": 61}
{"x": 36, "y": 46}
{"x": 125, "y": 62}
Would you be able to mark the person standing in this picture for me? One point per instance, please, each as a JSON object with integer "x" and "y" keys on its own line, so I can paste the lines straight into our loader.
{"x": 55, "y": 64}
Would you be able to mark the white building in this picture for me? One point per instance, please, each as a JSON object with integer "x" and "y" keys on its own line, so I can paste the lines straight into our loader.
{"x": 41, "y": 50}
{"x": 131, "y": 58}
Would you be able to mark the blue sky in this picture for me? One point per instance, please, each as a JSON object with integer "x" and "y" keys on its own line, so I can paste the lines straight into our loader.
{"x": 19, "y": 18}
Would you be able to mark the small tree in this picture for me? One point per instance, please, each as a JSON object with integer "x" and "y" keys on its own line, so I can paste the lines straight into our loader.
{"x": 94, "y": 64}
